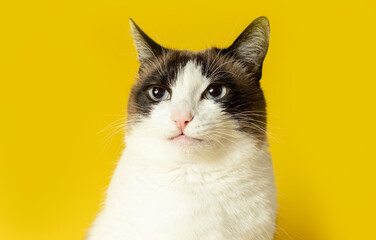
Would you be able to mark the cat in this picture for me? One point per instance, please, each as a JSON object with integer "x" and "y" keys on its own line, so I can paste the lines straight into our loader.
{"x": 196, "y": 164}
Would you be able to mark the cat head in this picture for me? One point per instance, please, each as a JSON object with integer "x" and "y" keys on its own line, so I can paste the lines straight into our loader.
{"x": 203, "y": 99}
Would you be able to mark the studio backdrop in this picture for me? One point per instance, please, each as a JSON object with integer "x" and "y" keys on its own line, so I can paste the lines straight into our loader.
{"x": 65, "y": 77}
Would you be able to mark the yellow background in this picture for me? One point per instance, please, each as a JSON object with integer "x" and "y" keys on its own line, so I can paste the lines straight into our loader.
{"x": 67, "y": 68}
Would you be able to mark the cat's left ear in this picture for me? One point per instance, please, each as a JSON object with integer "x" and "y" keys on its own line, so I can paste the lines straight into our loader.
{"x": 252, "y": 44}
{"x": 146, "y": 47}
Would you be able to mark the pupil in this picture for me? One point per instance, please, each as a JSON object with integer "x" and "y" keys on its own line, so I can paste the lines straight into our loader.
{"x": 158, "y": 92}
{"x": 215, "y": 91}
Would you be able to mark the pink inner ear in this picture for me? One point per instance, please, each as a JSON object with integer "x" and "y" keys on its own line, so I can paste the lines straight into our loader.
{"x": 181, "y": 118}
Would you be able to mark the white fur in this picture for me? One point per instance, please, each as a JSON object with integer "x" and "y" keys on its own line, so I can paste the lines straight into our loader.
{"x": 219, "y": 189}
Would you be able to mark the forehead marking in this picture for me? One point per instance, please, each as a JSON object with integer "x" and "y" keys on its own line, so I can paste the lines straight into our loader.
{"x": 189, "y": 82}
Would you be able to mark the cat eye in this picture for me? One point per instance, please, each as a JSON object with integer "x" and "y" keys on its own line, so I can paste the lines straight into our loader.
{"x": 215, "y": 92}
{"x": 157, "y": 93}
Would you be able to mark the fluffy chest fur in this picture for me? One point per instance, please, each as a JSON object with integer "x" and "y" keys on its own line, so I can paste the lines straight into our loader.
{"x": 189, "y": 200}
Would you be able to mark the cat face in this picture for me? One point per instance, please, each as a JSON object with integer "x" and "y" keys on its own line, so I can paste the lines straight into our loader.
{"x": 200, "y": 99}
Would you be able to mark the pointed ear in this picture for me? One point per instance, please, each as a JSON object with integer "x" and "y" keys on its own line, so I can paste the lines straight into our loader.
{"x": 252, "y": 44}
{"x": 146, "y": 47}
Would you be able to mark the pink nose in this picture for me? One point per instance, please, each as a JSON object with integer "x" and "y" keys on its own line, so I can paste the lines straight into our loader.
{"x": 181, "y": 118}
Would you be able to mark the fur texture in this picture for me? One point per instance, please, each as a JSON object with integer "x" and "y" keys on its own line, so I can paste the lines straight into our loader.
{"x": 213, "y": 179}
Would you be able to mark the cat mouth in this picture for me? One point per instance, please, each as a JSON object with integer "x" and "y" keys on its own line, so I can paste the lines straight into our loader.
{"x": 185, "y": 138}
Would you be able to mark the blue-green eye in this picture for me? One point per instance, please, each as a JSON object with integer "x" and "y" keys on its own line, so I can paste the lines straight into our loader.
{"x": 215, "y": 92}
{"x": 157, "y": 93}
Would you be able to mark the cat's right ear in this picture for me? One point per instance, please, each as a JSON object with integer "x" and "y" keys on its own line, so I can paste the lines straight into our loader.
{"x": 147, "y": 48}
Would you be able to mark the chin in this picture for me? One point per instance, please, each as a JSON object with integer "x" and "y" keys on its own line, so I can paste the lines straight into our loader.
{"x": 185, "y": 142}
{"x": 197, "y": 150}
{"x": 187, "y": 145}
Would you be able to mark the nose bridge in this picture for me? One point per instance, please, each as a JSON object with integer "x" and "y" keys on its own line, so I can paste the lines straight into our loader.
{"x": 183, "y": 105}
{"x": 182, "y": 114}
